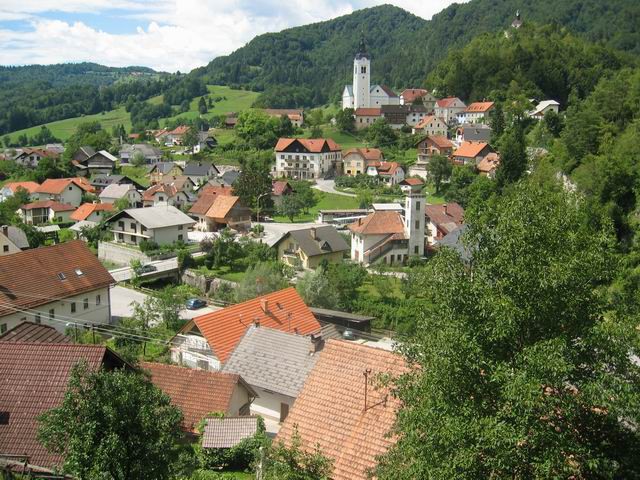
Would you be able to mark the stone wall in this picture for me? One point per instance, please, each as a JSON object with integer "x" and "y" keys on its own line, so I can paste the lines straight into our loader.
{"x": 120, "y": 255}
{"x": 207, "y": 285}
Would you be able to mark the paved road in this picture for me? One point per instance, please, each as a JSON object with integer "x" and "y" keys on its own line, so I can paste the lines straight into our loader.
{"x": 122, "y": 300}
{"x": 328, "y": 186}
{"x": 123, "y": 274}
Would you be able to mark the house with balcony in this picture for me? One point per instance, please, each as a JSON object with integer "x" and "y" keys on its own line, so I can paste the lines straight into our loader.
{"x": 307, "y": 158}
{"x": 309, "y": 247}
{"x": 471, "y": 153}
{"x": 163, "y": 225}
{"x": 356, "y": 160}
{"x": 46, "y": 211}
{"x": 64, "y": 190}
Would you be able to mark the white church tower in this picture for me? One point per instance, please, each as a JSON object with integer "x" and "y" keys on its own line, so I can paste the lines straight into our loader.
{"x": 361, "y": 78}
{"x": 414, "y": 222}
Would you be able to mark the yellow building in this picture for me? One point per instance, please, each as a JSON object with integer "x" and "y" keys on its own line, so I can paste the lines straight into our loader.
{"x": 308, "y": 247}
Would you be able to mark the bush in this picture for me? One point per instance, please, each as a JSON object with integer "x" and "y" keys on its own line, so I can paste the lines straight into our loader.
{"x": 148, "y": 245}
{"x": 239, "y": 457}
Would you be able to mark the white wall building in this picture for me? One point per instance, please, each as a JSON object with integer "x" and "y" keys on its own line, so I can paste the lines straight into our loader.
{"x": 303, "y": 158}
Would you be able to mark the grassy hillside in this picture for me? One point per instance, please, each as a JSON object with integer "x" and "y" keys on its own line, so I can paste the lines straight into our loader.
{"x": 63, "y": 129}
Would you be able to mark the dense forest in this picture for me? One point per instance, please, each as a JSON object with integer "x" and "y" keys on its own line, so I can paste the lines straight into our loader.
{"x": 309, "y": 65}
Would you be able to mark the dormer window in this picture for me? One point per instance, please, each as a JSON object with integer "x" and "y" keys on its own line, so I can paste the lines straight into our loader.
{"x": 79, "y": 272}
{"x": 62, "y": 276}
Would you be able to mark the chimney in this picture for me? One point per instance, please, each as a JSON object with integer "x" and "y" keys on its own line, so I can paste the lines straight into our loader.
{"x": 264, "y": 304}
{"x": 316, "y": 344}
{"x": 5, "y": 230}
{"x": 314, "y": 233}
{"x": 256, "y": 322}
{"x": 446, "y": 211}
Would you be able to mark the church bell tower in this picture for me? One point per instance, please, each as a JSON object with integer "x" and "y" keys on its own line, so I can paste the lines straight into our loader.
{"x": 361, "y": 78}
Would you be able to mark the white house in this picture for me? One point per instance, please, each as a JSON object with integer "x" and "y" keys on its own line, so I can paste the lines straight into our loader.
{"x": 391, "y": 173}
{"x": 382, "y": 95}
{"x": 46, "y": 211}
{"x": 12, "y": 240}
{"x": 476, "y": 113}
{"x": 163, "y": 225}
{"x": 30, "y": 157}
{"x": 64, "y": 190}
{"x": 389, "y": 236}
{"x": 431, "y": 126}
{"x": 56, "y": 286}
{"x": 449, "y": 108}
{"x": 112, "y": 193}
{"x": 92, "y": 212}
{"x": 543, "y": 107}
{"x": 303, "y": 158}
{"x": 10, "y": 188}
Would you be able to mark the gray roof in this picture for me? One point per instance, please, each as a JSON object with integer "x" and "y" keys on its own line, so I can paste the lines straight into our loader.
{"x": 163, "y": 167}
{"x": 144, "y": 148}
{"x": 230, "y": 176}
{"x": 156, "y": 217}
{"x": 198, "y": 169}
{"x": 327, "y": 240}
{"x": 349, "y": 89}
{"x": 479, "y": 133}
{"x": 77, "y": 227}
{"x": 453, "y": 240}
{"x": 229, "y": 431}
{"x": 17, "y": 237}
{"x": 273, "y": 360}
{"x": 115, "y": 190}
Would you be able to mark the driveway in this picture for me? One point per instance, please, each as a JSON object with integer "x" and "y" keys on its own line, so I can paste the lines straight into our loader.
{"x": 328, "y": 186}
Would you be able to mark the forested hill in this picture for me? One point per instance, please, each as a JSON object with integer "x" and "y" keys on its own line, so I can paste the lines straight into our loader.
{"x": 65, "y": 73}
{"x": 309, "y": 65}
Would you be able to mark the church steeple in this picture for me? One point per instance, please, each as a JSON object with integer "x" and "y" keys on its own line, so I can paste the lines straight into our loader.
{"x": 362, "y": 49}
{"x": 517, "y": 23}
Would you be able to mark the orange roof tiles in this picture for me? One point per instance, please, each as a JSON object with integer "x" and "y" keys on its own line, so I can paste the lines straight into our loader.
{"x": 470, "y": 149}
{"x": 179, "y": 130}
{"x": 286, "y": 311}
{"x": 56, "y": 186}
{"x": 412, "y": 181}
{"x": 368, "y": 112}
{"x": 28, "y": 186}
{"x": 221, "y": 206}
{"x": 33, "y": 379}
{"x": 410, "y": 94}
{"x": 279, "y": 187}
{"x": 195, "y": 392}
{"x": 489, "y": 163}
{"x": 447, "y": 216}
{"x": 447, "y": 102}
{"x": 378, "y": 223}
{"x": 370, "y": 154}
{"x": 86, "y": 209}
{"x": 427, "y": 120}
{"x": 385, "y": 168}
{"x": 313, "y": 145}
{"x": 479, "y": 107}
{"x": 331, "y": 412}
{"x": 51, "y": 204}
{"x": 167, "y": 188}
{"x": 31, "y": 278}
{"x": 441, "y": 141}
{"x": 31, "y": 332}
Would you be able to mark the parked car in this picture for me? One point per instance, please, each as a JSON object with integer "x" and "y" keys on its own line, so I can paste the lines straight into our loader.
{"x": 147, "y": 269}
{"x": 196, "y": 303}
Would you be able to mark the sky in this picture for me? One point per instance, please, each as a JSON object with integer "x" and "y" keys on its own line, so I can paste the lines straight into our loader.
{"x": 167, "y": 35}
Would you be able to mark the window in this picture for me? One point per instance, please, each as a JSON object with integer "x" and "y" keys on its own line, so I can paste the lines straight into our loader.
{"x": 417, "y": 224}
{"x": 161, "y": 198}
{"x": 62, "y": 276}
{"x": 52, "y": 314}
{"x": 5, "y": 248}
{"x": 3, "y": 327}
{"x": 98, "y": 299}
{"x": 416, "y": 249}
{"x": 121, "y": 225}
{"x": 133, "y": 227}
{"x": 86, "y": 303}
{"x": 180, "y": 237}
{"x": 121, "y": 237}
{"x": 73, "y": 307}
{"x": 59, "y": 219}
{"x": 70, "y": 188}
{"x": 180, "y": 227}
{"x": 417, "y": 205}
{"x": 37, "y": 317}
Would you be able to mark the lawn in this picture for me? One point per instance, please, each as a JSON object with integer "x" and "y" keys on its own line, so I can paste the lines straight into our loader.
{"x": 326, "y": 201}
{"x": 345, "y": 140}
{"x": 63, "y": 129}
{"x": 235, "y": 101}
{"x": 223, "y": 272}
{"x": 138, "y": 174}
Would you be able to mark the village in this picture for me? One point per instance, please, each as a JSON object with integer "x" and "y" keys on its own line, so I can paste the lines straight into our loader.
{"x": 265, "y": 292}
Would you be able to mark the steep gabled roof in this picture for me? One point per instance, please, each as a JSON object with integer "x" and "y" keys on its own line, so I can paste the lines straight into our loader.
{"x": 28, "y": 186}
{"x": 317, "y": 240}
{"x": 87, "y": 209}
{"x": 427, "y": 120}
{"x": 228, "y": 432}
{"x": 280, "y": 187}
{"x": 51, "y": 204}
{"x": 369, "y": 154}
{"x": 33, "y": 379}
{"x": 331, "y": 411}
{"x": 385, "y": 89}
{"x": 479, "y": 107}
{"x": 313, "y": 145}
{"x": 447, "y": 216}
{"x": 160, "y": 216}
{"x": 378, "y": 223}
{"x": 179, "y": 130}
{"x": 167, "y": 188}
{"x": 470, "y": 149}
{"x": 221, "y": 206}
{"x": 32, "y": 277}
{"x": 31, "y": 332}
{"x": 195, "y": 392}
{"x": 116, "y": 191}
{"x": 56, "y": 186}
{"x": 489, "y": 163}
{"x": 285, "y": 311}
{"x": 199, "y": 169}
{"x": 410, "y": 94}
{"x": 448, "y": 102}
{"x": 273, "y": 360}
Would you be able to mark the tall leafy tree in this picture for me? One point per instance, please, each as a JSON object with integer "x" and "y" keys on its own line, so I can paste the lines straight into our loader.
{"x": 513, "y": 156}
{"x": 439, "y": 169}
{"x": 254, "y": 184}
{"x": 522, "y": 368}
{"x": 113, "y": 425}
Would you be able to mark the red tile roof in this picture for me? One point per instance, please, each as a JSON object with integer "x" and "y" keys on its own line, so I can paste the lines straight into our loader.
{"x": 209, "y": 189}
{"x": 314, "y": 145}
{"x": 56, "y": 186}
{"x": 368, "y": 112}
{"x": 447, "y": 102}
{"x": 378, "y": 223}
{"x": 331, "y": 412}
{"x": 52, "y": 204}
{"x": 470, "y": 149}
{"x": 279, "y": 187}
{"x": 167, "y": 188}
{"x": 179, "y": 130}
{"x": 410, "y": 94}
{"x": 370, "y": 154}
{"x": 412, "y": 181}
{"x": 385, "y": 168}
{"x": 33, "y": 379}
{"x": 86, "y": 209}
{"x": 31, "y": 278}
{"x": 479, "y": 107}
{"x": 427, "y": 120}
{"x": 286, "y": 311}
{"x": 441, "y": 141}
{"x": 446, "y": 217}
{"x": 207, "y": 198}
{"x": 31, "y": 332}
{"x": 489, "y": 163}
{"x": 221, "y": 206}
{"x": 195, "y": 392}
{"x": 28, "y": 186}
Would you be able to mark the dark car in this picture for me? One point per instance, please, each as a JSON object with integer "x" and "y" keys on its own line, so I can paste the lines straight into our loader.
{"x": 147, "y": 269}
{"x": 195, "y": 304}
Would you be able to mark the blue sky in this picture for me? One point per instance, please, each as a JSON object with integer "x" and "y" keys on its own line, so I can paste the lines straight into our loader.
{"x": 167, "y": 35}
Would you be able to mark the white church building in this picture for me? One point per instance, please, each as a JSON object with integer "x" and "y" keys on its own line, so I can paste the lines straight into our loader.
{"x": 390, "y": 234}
{"x": 361, "y": 94}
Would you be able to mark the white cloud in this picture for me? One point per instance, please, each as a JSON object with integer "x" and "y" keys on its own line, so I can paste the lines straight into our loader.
{"x": 171, "y": 35}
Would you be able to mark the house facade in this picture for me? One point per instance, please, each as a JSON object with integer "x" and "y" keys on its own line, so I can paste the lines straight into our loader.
{"x": 391, "y": 173}
{"x": 433, "y": 145}
{"x": 471, "y": 153}
{"x": 160, "y": 170}
{"x": 217, "y": 212}
{"x": 476, "y": 113}
{"x": 382, "y": 95}
{"x": 100, "y": 163}
{"x": 12, "y": 240}
{"x": 46, "y": 211}
{"x": 449, "y": 108}
{"x": 64, "y": 190}
{"x": 306, "y": 159}
{"x": 149, "y": 153}
{"x": 163, "y": 225}
{"x": 30, "y": 157}
{"x": 309, "y": 247}
{"x": 54, "y": 285}
{"x": 442, "y": 220}
{"x": 365, "y": 117}
{"x": 10, "y": 188}
{"x": 431, "y": 125}
{"x": 355, "y": 160}
{"x": 92, "y": 212}
{"x": 113, "y": 193}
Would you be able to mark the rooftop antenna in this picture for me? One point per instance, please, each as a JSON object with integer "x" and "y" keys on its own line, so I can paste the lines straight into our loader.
{"x": 289, "y": 316}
